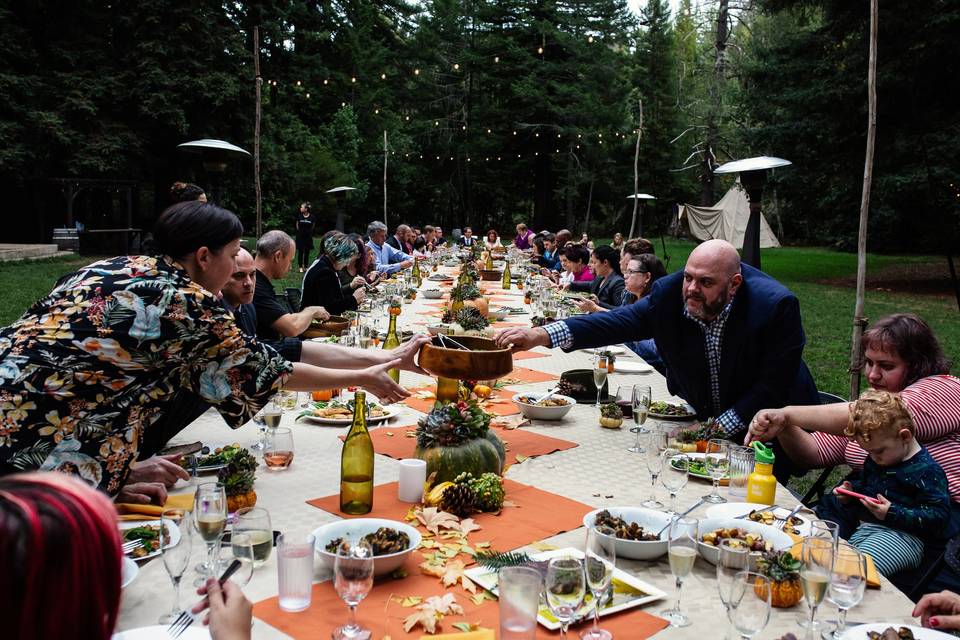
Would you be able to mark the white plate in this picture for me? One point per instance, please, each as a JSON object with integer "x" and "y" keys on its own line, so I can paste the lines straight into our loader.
{"x": 663, "y": 416}
{"x": 737, "y": 509}
{"x": 631, "y": 366}
{"x": 133, "y": 524}
{"x": 860, "y": 632}
{"x": 614, "y": 350}
{"x": 129, "y": 572}
{"x": 487, "y": 579}
{"x": 390, "y": 412}
{"x": 196, "y": 631}
{"x": 703, "y": 476}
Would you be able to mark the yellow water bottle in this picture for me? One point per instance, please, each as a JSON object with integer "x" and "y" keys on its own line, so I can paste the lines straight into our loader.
{"x": 761, "y": 485}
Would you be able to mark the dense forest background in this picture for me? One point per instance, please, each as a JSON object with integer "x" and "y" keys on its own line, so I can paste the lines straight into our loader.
{"x": 495, "y": 111}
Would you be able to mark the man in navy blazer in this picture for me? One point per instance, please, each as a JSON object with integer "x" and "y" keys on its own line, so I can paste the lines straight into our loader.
{"x": 729, "y": 334}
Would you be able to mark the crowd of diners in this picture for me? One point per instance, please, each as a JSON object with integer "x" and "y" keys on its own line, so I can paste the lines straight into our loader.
{"x": 98, "y": 375}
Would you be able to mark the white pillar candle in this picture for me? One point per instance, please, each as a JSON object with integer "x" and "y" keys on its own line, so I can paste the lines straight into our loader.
{"x": 413, "y": 473}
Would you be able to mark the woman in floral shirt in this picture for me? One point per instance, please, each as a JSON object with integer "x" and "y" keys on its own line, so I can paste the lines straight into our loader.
{"x": 87, "y": 369}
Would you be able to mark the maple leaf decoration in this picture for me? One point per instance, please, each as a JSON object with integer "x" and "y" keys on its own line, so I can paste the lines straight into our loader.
{"x": 431, "y": 612}
{"x": 466, "y": 526}
{"x": 434, "y": 519}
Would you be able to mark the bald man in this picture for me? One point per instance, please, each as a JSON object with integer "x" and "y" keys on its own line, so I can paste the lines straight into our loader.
{"x": 729, "y": 335}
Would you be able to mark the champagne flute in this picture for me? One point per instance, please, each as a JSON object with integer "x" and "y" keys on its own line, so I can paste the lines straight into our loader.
{"x": 828, "y": 530}
{"x": 600, "y": 375}
{"x": 640, "y": 404}
{"x": 682, "y": 551}
{"x": 816, "y": 568}
{"x": 255, "y": 521}
{"x": 353, "y": 579}
{"x": 847, "y": 583}
{"x": 262, "y": 428}
{"x": 241, "y": 548}
{"x": 717, "y": 462}
{"x": 676, "y": 469}
{"x": 176, "y": 556}
{"x": 565, "y": 589}
{"x": 750, "y": 603}
{"x": 733, "y": 557}
{"x": 210, "y": 519}
{"x": 600, "y": 557}
{"x": 656, "y": 445}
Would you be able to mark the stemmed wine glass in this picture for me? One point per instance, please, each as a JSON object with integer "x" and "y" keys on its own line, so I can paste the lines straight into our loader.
{"x": 717, "y": 462}
{"x": 656, "y": 445}
{"x": 750, "y": 603}
{"x": 847, "y": 583}
{"x": 600, "y": 364}
{"x": 255, "y": 521}
{"x": 176, "y": 555}
{"x": 353, "y": 579}
{"x": 732, "y": 558}
{"x": 682, "y": 551}
{"x": 641, "y": 406}
{"x": 676, "y": 469}
{"x": 565, "y": 589}
{"x": 816, "y": 568}
{"x": 600, "y": 557}
{"x": 210, "y": 519}
{"x": 241, "y": 548}
{"x": 827, "y": 530}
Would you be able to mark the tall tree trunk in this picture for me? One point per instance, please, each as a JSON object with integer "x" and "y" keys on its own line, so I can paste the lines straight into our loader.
{"x": 715, "y": 113}
{"x": 636, "y": 175}
{"x": 543, "y": 193}
{"x": 570, "y": 189}
{"x": 586, "y": 224}
{"x": 385, "y": 154}
{"x": 258, "y": 81}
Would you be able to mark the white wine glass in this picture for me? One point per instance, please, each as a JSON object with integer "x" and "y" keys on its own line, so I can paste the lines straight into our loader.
{"x": 717, "y": 461}
{"x": 600, "y": 364}
{"x": 209, "y": 519}
{"x": 828, "y": 530}
{"x": 732, "y": 558}
{"x": 353, "y": 580}
{"x": 600, "y": 558}
{"x": 175, "y": 555}
{"x": 676, "y": 470}
{"x": 640, "y": 402}
{"x": 682, "y": 552}
{"x": 750, "y": 603}
{"x": 815, "y": 570}
{"x": 656, "y": 445}
{"x": 848, "y": 580}
{"x": 241, "y": 548}
{"x": 565, "y": 590}
{"x": 255, "y": 521}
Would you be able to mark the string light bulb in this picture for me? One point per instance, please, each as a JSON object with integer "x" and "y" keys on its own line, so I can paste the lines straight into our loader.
{"x": 496, "y": 59}
{"x": 540, "y": 50}
{"x": 416, "y": 72}
{"x": 298, "y": 83}
{"x": 308, "y": 95}
{"x": 590, "y": 39}
{"x": 326, "y": 81}
{"x": 353, "y": 79}
{"x": 456, "y": 66}
{"x": 383, "y": 76}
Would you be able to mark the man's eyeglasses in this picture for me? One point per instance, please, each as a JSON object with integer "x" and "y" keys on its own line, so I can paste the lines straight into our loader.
{"x": 636, "y": 271}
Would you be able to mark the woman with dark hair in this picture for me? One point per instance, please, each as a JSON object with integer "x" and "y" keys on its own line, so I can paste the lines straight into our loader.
{"x": 359, "y": 271}
{"x": 59, "y": 543}
{"x": 88, "y": 370}
{"x": 186, "y": 192}
{"x": 321, "y": 286}
{"x": 492, "y": 241}
{"x": 606, "y": 290}
{"x": 573, "y": 260}
{"x": 304, "y": 233}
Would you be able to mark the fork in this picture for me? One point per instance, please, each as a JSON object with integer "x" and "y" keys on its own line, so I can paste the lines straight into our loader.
{"x": 786, "y": 520}
{"x": 186, "y": 617}
{"x": 131, "y": 545}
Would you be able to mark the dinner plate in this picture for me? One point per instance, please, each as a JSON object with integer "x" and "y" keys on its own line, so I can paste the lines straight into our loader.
{"x": 390, "y": 412}
{"x": 133, "y": 524}
{"x": 920, "y": 633}
{"x": 129, "y": 571}
{"x": 701, "y": 457}
{"x": 631, "y": 366}
{"x": 196, "y": 631}
{"x": 612, "y": 350}
{"x": 440, "y": 278}
{"x": 737, "y": 509}
{"x": 692, "y": 415}
{"x": 629, "y": 591}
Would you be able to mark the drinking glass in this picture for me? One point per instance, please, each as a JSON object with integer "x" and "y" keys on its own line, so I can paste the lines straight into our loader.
{"x": 262, "y": 428}
{"x": 847, "y": 583}
{"x": 287, "y": 399}
{"x": 827, "y": 530}
{"x": 176, "y": 555}
{"x": 241, "y": 548}
{"x": 717, "y": 462}
{"x": 295, "y": 571}
{"x": 210, "y": 519}
{"x": 565, "y": 589}
{"x": 640, "y": 404}
{"x": 816, "y": 568}
{"x": 682, "y": 551}
{"x": 278, "y": 449}
{"x": 519, "y": 591}
{"x": 733, "y": 557}
{"x": 255, "y": 522}
{"x": 656, "y": 445}
{"x": 599, "y": 375}
{"x": 600, "y": 557}
{"x": 353, "y": 579}
{"x": 624, "y": 400}
{"x": 750, "y": 603}
{"x": 366, "y": 338}
{"x": 741, "y": 466}
{"x": 676, "y": 468}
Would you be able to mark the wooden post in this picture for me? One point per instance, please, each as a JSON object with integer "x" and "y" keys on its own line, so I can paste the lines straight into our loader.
{"x": 258, "y": 82}
{"x": 859, "y": 321}
{"x": 385, "y": 177}
{"x": 636, "y": 175}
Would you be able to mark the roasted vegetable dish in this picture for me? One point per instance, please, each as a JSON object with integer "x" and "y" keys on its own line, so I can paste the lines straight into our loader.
{"x": 769, "y": 518}
{"x": 549, "y": 402}
{"x": 661, "y": 408}
{"x": 890, "y": 633}
{"x": 744, "y": 538}
{"x": 383, "y": 541}
{"x": 624, "y": 530}
{"x": 149, "y": 536}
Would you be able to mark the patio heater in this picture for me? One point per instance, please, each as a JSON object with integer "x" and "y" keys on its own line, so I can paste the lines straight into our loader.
{"x": 339, "y": 194}
{"x": 753, "y": 176}
{"x": 215, "y": 155}
{"x": 641, "y": 197}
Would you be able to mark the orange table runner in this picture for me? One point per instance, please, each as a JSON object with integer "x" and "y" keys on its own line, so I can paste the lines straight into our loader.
{"x": 499, "y": 403}
{"x": 527, "y": 355}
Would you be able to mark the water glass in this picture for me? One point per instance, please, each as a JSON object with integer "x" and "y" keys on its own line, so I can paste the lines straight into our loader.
{"x": 656, "y": 445}
{"x": 733, "y": 558}
{"x": 287, "y": 399}
{"x": 600, "y": 558}
{"x": 413, "y": 475}
{"x": 750, "y": 603}
{"x": 640, "y": 406}
{"x": 565, "y": 588}
{"x": 278, "y": 449}
{"x": 295, "y": 571}
{"x": 816, "y": 568}
{"x": 518, "y": 591}
{"x": 262, "y": 428}
{"x": 717, "y": 462}
{"x": 825, "y": 529}
{"x": 176, "y": 555}
{"x": 241, "y": 548}
{"x": 600, "y": 364}
{"x": 847, "y": 584}
{"x": 676, "y": 469}
{"x": 353, "y": 580}
{"x": 741, "y": 466}
{"x": 255, "y": 522}
{"x": 682, "y": 552}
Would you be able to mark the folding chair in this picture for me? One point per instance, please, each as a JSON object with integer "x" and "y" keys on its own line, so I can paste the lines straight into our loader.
{"x": 292, "y": 296}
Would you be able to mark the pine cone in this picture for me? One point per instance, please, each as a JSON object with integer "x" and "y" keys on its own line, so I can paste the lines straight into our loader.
{"x": 458, "y": 500}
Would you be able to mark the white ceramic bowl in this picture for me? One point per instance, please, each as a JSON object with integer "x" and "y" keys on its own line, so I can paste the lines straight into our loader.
{"x": 432, "y": 294}
{"x": 543, "y": 413}
{"x": 437, "y": 329}
{"x": 710, "y": 553}
{"x": 354, "y": 529}
{"x": 650, "y": 520}
{"x": 495, "y": 316}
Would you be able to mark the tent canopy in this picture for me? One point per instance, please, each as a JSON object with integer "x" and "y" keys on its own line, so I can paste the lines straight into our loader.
{"x": 726, "y": 220}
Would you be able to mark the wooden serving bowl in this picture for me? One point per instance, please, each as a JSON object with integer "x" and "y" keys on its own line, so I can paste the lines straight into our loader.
{"x": 484, "y": 361}
{"x": 335, "y": 324}
{"x": 490, "y": 275}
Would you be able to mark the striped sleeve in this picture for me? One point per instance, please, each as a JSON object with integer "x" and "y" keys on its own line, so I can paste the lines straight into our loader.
{"x": 934, "y": 404}
{"x": 831, "y": 448}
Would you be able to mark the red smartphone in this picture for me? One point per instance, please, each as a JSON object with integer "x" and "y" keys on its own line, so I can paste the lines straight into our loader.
{"x": 854, "y": 494}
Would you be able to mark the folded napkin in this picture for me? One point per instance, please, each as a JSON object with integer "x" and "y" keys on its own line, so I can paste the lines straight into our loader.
{"x": 479, "y": 634}
{"x": 873, "y": 576}
{"x": 128, "y": 511}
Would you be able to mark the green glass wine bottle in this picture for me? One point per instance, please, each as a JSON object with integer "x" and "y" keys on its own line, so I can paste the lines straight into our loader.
{"x": 489, "y": 264}
{"x": 417, "y": 279}
{"x": 356, "y": 462}
{"x": 505, "y": 283}
{"x": 392, "y": 342}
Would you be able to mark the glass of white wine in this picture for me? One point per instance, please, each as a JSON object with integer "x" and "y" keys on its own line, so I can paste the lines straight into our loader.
{"x": 210, "y": 519}
{"x": 600, "y": 364}
{"x": 717, "y": 462}
{"x": 847, "y": 583}
{"x": 815, "y": 571}
{"x": 828, "y": 530}
{"x": 676, "y": 470}
{"x": 255, "y": 522}
{"x": 682, "y": 552}
{"x": 565, "y": 588}
{"x": 640, "y": 405}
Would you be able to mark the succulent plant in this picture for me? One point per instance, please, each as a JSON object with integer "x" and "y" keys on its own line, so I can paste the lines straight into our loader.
{"x": 471, "y": 319}
{"x": 611, "y": 410}
{"x": 463, "y": 292}
{"x": 488, "y": 491}
{"x": 779, "y": 566}
{"x": 237, "y": 479}
{"x": 452, "y": 424}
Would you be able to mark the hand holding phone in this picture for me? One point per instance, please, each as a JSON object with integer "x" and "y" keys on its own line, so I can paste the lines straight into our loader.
{"x": 854, "y": 494}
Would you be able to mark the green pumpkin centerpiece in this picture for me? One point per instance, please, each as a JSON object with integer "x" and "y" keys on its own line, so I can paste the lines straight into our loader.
{"x": 455, "y": 438}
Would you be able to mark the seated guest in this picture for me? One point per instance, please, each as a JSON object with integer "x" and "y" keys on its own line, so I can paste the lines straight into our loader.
{"x": 549, "y": 260}
{"x": 467, "y": 239}
{"x": 438, "y": 240}
{"x": 617, "y": 241}
{"x": 606, "y": 289}
{"x": 360, "y": 270}
{"x": 321, "y": 286}
{"x": 430, "y": 238}
{"x": 563, "y": 237}
{"x": 388, "y": 259}
{"x": 492, "y": 241}
{"x": 632, "y": 248}
{"x": 714, "y": 306}
{"x": 238, "y": 293}
{"x": 574, "y": 259}
{"x": 586, "y": 241}
{"x": 642, "y": 272}
{"x": 402, "y": 239}
{"x": 524, "y": 239}
{"x": 59, "y": 541}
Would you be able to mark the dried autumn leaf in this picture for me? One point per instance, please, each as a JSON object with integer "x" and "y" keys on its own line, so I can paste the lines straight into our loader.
{"x": 466, "y": 626}
{"x": 507, "y": 504}
{"x": 453, "y": 573}
{"x": 410, "y": 601}
{"x": 434, "y": 519}
{"x": 522, "y": 458}
{"x": 444, "y": 605}
{"x": 426, "y": 618}
{"x": 478, "y": 598}
{"x": 435, "y": 569}
{"x": 468, "y": 525}
{"x": 468, "y": 584}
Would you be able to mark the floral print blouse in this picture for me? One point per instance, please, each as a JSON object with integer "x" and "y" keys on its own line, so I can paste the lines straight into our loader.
{"x": 87, "y": 369}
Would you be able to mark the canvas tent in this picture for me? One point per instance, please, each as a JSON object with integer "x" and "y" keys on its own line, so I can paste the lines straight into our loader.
{"x": 726, "y": 220}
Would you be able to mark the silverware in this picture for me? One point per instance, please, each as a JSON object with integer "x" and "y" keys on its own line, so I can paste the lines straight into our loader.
{"x": 792, "y": 513}
{"x": 549, "y": 393}
{"x": 771, "y": 508}
{"x": 131, "y": 545}
{"x": 446, "y": 338}
{"x": 696, "y": 504}
{"x": 186, "y": 618}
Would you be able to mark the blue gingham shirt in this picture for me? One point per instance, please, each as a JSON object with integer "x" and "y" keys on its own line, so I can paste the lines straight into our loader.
{"x": 388, "y": 258}
{"x": 729, "y": 420}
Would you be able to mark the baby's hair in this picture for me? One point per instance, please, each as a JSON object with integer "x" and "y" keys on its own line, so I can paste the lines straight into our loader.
{"x": 878, "y": 414}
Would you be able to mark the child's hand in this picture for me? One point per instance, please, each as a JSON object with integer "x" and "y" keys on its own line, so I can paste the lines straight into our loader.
{"x": 842, "y": 499}
{"x": 879, "y": 511}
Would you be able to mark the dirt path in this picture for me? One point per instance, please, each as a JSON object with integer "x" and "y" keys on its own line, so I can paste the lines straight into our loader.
{"x": 928, "y": 278}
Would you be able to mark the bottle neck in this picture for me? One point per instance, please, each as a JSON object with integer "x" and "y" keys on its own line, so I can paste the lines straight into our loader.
{"x": 359, "y": 410}
{"x": 392, "y": 329}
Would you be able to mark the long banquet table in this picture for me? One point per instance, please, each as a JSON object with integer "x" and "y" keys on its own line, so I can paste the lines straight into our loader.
{"x": 599, "y": 472}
